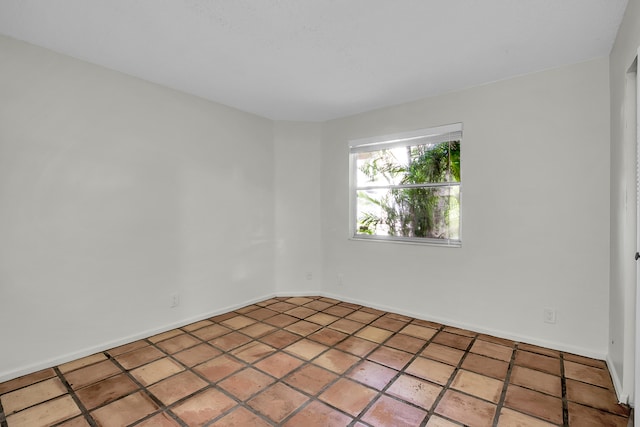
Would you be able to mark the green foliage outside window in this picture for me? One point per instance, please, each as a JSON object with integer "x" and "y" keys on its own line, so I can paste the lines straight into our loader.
{"x": 411, "y": 191}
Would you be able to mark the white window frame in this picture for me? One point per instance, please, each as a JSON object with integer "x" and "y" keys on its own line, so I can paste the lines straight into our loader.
{"x": 429, "y": 135}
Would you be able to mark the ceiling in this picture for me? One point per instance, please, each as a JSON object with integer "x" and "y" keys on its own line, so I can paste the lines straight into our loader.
{"x": 314, "y": 60}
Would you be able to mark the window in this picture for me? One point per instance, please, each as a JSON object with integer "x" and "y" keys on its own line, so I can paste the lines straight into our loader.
{"x": 406, "y": 187}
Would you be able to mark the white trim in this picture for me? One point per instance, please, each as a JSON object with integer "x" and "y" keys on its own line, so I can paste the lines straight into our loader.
{"x": 580, "y": 351}
{"x": 405, "y": 136}
{"x": 617, "y": 385}
{"x": 6, "y": 376}
{"x": 9, "y": 375}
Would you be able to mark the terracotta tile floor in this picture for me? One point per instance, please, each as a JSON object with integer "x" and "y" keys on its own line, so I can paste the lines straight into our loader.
{"x": 316, "y": 361}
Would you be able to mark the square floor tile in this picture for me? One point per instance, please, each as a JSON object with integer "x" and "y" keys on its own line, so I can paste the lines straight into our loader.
{"x": 362, "y": 316}
{"x": 405, "y": 343}
{"x": 390, "y": 357}
{"x": 139, "y": 357}
{"x": 371, "y": 333}
{"x": 349, "y": 396}
{"x": 453, "y": 340}
{"x": 389, "y": 323}
{"x": 178, "y": 343}
{"x": 216, "y": 369}
{"x": 317, "y": 414}
{"x": 539, "y": 362}
{"x": 580, "y": 415}
{"x": 466, "y": 409}
{"x": 310, "y": 379}
{"x": 124, "y": 411}
{"x": 390, "y": 412}
{"x": 209, "y": 333}
{"x": 478, "y": 385}
{"x": 306, "y": 349}
{"x": 45, "y": 414}
{"x": 300, "y": 312}
{"x": 443, "y": 353}
{"x": 81, "y": 363}
{"x": 230, "y": 341}
{"x": 246, "y": 383}
{"x": 127, "y": 348}
{"x": 584, "y": 360}
{"x": 281, "y": 320}
{"x": 486, "y": 366}
{"x": 277, "y": 402}
{"x": 372, "y": 374}
{"x": 539, "y": 350}
{"x": 156, "y": 371}
{"x": 536, "y": 380}
{"x": 597, "y": 397}
{"x": 197, "y": 325}
{"x": 203, "y": 407}
{"x": 261, "y": 314}
{"x": 177, "y": 387}
{"x": 357, "y": 346}
{"x": 322, "y": 319}
{"x": 431, "y": 370}
{"x": 492, "y": 350}
{"x": 257, "y": 330}
{"x": 91, "y": 374}
{"x": 338, "y": 311}
{"x": 278, "y": 364}
{"x": 414, "y": 390}
{"x": 303, "y": 328}
{"x": 28, "y": 396}
{"x": 416, "y": 331}
{"x": 587, "y": 374}
{"x": 280, "y": 339}
{"x": 253, "y": 351}
{"x": 534, "y": 403}
{"x": 106, "y": 391}
{"x": 197, "y": 354}
{"x": 159, "y": 420}
{"x": 327, "y": 336}
{"x": 26, "y": 380}
{"x": 165, "y": 335}
{"x": 318, "y": 305}
{"x": 345, "y": 325}
{"x": 241, "y": 417}
{"x": 238, "y": 322}
{"x": 336, "y": 361}
{"x": 510, "y": 418}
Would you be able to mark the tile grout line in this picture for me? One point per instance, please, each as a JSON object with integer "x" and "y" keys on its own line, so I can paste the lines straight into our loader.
{"x": 3, "y": 419}
{"x": 83, "y": 409}
{"x": 505, "y": 386}
{"x": 565, "y": 403}
{"x": 446, "y": 387}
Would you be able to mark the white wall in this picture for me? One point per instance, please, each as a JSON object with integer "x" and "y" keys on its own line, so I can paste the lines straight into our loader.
{"x": 623, "y": 213}
{"x": 114, "y": 194}
{"x": 298, "y": 215}
{"x": 535, "y": 212}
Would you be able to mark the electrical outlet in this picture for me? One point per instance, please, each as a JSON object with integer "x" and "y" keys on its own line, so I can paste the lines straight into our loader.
{"x": 309, "y": 275}
{"x": 549, "y": 315}
{"x": 340, "y": 279}
{"x": 175, "y": 300}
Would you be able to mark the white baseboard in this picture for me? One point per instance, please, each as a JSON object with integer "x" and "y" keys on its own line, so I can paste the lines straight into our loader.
{"x": 9, "y": 375}
{"x": 493, "y": 332}
{"x": 617, "y": 382}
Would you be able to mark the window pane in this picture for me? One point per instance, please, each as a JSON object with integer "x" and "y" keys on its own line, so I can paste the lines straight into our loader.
{"x": 427, "y": 212}
{"x": 417, "y": 164}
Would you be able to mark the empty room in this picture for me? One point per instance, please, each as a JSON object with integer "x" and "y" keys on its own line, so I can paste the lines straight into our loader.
{"x": 319, "y": 213}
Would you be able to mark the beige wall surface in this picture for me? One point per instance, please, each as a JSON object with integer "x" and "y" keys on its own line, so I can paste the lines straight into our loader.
{"x": 535, "y": 212}
{"x": 117, "y": 194}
